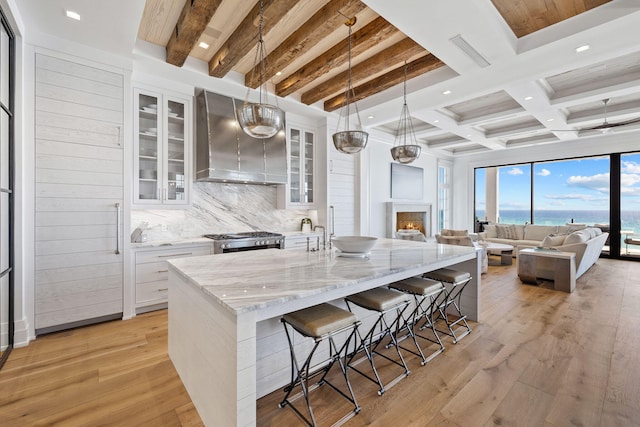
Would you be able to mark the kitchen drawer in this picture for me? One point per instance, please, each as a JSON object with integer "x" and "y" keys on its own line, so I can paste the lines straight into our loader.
{"x": 165, "y": 254}
{"x": 151, "y": 272}
{"x": 152, "y": 292}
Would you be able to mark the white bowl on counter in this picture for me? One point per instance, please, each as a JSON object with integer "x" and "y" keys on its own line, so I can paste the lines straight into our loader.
{"x": 354, "y": 244}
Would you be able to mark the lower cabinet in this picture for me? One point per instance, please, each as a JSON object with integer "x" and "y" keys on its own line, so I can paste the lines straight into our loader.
{"x": 152, "y": 273}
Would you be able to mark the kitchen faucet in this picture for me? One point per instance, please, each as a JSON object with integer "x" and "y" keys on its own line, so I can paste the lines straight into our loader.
{"x": 324, "y": 235}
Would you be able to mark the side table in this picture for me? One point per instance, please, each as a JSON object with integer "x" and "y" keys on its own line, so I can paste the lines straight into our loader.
{"x": 564, "y": 276}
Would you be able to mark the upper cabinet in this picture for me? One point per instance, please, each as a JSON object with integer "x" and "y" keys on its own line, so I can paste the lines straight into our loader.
{"x": 300, "y": 187}
{"x": 162, "y": 160}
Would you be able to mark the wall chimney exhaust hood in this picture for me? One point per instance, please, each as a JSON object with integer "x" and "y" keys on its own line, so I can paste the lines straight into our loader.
{"x": 224, "y": 153}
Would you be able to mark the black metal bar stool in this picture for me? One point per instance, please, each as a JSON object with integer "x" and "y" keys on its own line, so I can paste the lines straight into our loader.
{"x": 383, "y": 301}
{"x": 427, "y": 295}
{"x": 457, "y": 281}
{"x": 321, "y": 322}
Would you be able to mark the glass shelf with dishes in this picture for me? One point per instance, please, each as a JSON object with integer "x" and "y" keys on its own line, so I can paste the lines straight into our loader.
{"x": 162, "y": 145}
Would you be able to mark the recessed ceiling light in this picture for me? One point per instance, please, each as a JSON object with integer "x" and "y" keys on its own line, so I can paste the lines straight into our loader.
{"x": 73, "y": 15}
{"x": 279, "y": 73}
{"x": 446, "y": 92}
{"x": 528, "y": 98}
{"x": 371, "y": 117}
{"x": 436, "y": 121}
{"x": 582, "y": 48}
{"x": 204, "y": 45}
{"x": 549, "y": 120}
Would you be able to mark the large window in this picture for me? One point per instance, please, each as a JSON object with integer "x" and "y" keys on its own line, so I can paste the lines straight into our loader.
{"x": 600, "y": 191}
{"x": 630, "y": 204}
{"x": 444, "y": 195}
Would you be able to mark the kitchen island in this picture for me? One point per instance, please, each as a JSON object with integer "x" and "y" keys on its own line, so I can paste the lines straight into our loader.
{"x": 225, "y": 338}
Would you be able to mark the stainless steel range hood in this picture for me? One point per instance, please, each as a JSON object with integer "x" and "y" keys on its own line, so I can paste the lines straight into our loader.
{"x": 224, "y": 153}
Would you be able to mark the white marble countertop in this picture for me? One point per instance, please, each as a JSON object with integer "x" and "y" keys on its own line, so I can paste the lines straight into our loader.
{"x": 246, "y": 281}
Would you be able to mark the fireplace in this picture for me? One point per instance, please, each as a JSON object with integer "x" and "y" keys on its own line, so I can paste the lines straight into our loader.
{"x": 408, "y": 216}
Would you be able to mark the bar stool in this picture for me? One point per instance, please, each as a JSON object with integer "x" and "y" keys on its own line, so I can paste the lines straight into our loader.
{"x": 457, "y": 280}
{"x": 426, "y": 294}
{"x": 382, "y": 301}
{"x": 321, "y": 322}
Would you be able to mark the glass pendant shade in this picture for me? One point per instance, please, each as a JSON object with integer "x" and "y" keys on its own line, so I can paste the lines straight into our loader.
{"x": 349, "y": 141}
{"x": 261, "y": 119}
{"x": 402, "y": 151}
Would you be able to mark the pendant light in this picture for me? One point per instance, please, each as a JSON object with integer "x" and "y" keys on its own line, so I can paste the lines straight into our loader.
{"x": 349, "y": 141}
{"x": 260, "y": 120}
{"x": 401, "y": 151}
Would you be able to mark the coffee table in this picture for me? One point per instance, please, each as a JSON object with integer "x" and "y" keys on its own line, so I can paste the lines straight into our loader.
{"x": 505, "y": 251}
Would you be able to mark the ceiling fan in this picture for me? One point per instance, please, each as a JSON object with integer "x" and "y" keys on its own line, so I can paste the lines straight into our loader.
{"x": 605, "y": 126}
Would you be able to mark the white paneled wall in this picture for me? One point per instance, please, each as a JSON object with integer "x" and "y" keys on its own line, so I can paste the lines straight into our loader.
{"x": 79, "y": 181}
{"x": 343, "y": 182}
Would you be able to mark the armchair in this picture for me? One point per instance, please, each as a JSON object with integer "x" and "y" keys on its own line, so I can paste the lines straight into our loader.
{"x": 462, "y": 238}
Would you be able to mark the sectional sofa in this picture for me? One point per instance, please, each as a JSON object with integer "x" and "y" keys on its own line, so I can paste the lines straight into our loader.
{"x": 585, "y": 242}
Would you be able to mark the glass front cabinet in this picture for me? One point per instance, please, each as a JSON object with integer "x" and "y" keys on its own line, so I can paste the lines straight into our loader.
{"x": 162, "y": 148}
{"x": 300, "y": 189}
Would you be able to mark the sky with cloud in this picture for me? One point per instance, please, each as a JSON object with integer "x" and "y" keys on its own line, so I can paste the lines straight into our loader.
{"x": 580, "y": 184}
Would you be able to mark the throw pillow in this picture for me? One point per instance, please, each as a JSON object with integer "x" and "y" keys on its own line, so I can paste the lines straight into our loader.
{"x": 506, "y": 231}
{"x": 553, "y": 240}
{"x": 449, "y": 232}
{"x": 576, "y": 237}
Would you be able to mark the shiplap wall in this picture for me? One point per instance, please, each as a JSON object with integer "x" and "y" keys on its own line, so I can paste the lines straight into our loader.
{"x": 343, "y": 192}
{"x": 79, "y": 180}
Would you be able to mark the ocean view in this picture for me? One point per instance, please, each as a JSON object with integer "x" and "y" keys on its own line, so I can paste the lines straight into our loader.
{"x": 630, "y": 219}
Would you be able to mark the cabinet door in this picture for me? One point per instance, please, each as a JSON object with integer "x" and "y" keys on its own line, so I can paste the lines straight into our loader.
{"x": 309, "y": 159}
{"x": 176, "y": 151}
{"x": 301, "y": 167}
{"x": 79, "y": 190}
{"x": 295, "y": 166}
{"x": 148, "y": 145}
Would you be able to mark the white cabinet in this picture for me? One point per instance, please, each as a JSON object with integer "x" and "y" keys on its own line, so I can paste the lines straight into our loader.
{"x": 162, "y": 160}
{"x": 79, "y": 193}
{"x": 299, "y": 191}
{"x": 152, "y": 274}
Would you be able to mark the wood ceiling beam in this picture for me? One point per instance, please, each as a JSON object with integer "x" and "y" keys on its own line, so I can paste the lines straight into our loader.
{"x": 245, "y": 37}
{"x": 361, "y": 40}
{"x": 401, "y": 51}
{"x": 193, "y": 20}
{"x": 414, "y": 68}
{"x": 320, "y": 25}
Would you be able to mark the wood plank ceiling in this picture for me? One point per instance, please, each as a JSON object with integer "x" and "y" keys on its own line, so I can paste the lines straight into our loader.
{"x": 307, "y": 41}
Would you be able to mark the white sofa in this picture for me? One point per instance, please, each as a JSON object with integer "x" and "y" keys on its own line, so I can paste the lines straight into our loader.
{"x": 523, "y": 235}
{"x": 587, "y": 244}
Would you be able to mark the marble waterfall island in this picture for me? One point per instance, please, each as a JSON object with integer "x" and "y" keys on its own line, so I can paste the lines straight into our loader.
{"x": 225, "y": 338}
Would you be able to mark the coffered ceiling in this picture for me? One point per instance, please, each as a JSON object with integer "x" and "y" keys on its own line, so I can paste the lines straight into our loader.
{"x": 483, "y": 75}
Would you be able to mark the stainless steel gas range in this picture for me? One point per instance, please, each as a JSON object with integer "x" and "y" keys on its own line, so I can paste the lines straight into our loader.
{"x": 245, "y": 241}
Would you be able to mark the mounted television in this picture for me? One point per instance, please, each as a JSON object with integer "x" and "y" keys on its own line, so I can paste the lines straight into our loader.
{"x": 407, "y": 182}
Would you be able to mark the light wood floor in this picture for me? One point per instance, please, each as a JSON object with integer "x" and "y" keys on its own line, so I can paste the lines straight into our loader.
{"x": 538, "y": 358}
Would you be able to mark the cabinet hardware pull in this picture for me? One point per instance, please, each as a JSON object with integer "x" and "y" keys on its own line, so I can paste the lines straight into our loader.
{"x": 119, "y": 141}
{"x": 117, "y": 228}
{"x": 172, "y": 255}
{"x": 163, "y": 271}
{"x": 163, "y": 289}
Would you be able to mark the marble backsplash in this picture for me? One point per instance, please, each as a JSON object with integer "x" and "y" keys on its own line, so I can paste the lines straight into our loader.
{"x": 219, "y": 208}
